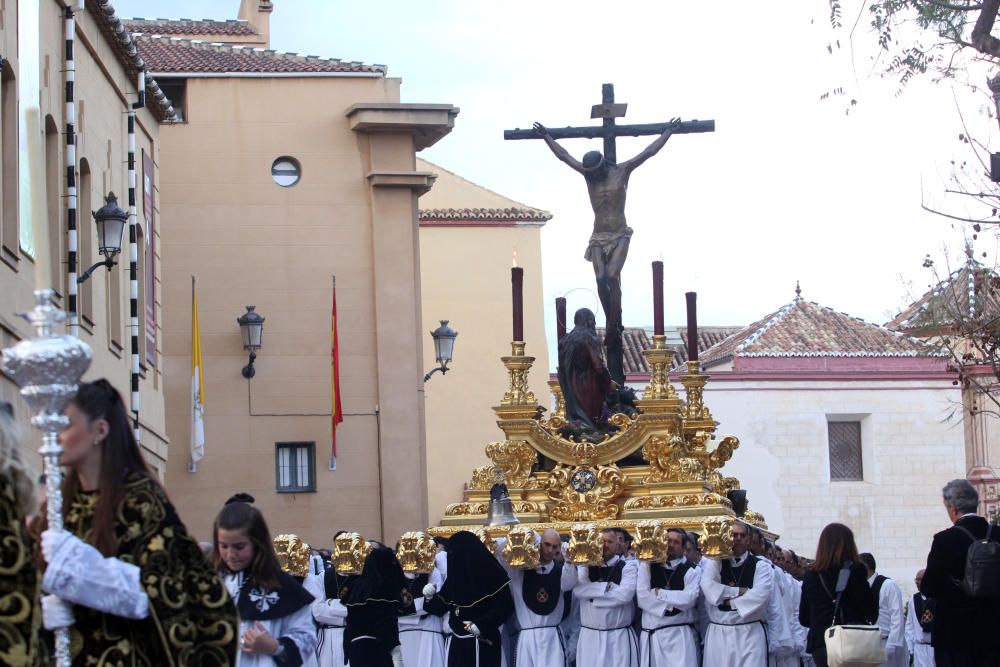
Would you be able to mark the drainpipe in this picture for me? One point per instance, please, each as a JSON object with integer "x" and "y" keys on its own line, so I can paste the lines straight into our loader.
{"x": 71, "y": 234}
{"x": 133, "y": 252}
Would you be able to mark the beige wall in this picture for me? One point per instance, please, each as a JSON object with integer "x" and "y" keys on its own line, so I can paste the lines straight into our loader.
{"x": 250, "y": 241}
{"x": 466, "y": 279}
{"x": 101, "y": 88}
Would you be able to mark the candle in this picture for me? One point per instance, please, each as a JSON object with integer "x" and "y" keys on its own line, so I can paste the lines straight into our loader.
{"x": 692, "y": 313}
{"x": 517, "y": 294}
{"x": 658, "y": 298}
{"x": 560, "y": 317}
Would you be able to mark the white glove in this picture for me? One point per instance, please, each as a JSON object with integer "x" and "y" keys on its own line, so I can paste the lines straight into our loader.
{"x": 473, "y": 630}
{"x": 56, "y": 613}
{"x": 52, "y": 540}
{"x": 397, "y": 656}
{"x": 430, "y": 590}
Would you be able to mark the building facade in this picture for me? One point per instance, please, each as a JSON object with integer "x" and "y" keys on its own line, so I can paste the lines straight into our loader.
{"x": 36, "y": 237}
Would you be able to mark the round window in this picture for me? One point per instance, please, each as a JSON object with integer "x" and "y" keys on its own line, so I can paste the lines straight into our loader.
{"x": 286, "y": 171}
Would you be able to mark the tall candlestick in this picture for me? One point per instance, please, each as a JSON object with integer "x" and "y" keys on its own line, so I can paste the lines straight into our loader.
{"x": 658, "y": 298}
{"x": 517, "y": 296}
{"x": 692, "y": 313}
{"x": 560, "y": 317}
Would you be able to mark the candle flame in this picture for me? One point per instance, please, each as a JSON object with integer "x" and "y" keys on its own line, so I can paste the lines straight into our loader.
{"x": 513, "y": 260}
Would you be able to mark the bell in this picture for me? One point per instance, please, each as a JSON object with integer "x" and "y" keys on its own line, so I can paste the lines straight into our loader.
{"x": 500, "y": 512}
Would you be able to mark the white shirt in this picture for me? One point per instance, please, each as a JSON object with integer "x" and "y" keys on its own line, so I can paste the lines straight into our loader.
{"x": 890, "y": 612}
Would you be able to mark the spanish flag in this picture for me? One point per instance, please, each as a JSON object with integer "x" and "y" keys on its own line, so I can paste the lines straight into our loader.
{"x": 197, "y": 384}
{"x": 335, "y": 409}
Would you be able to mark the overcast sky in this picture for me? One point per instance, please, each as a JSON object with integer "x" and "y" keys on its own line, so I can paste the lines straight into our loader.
{"x": 788, "y": 188}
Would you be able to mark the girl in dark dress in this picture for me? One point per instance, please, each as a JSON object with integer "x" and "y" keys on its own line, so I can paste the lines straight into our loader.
{"x": 836, "y": 550}
{"x": 476, "y": 595}
{"x": 373, "y": 602}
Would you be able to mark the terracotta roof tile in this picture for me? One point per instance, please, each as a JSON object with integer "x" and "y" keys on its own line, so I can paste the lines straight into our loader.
{"x": 500, "y": 215}
{"x": 635, "y": 340}
{"x": 232, "y": 27}
{"x": 967, "y": 294}
{"x": 807, "y": 329}
{"x": 166, "y": 55}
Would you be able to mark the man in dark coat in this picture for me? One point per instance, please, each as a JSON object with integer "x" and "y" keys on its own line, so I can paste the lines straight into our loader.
{"x": 965, "y": 629}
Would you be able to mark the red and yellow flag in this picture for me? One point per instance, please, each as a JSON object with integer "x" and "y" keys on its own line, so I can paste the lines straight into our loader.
{"x": 338, "y": 414}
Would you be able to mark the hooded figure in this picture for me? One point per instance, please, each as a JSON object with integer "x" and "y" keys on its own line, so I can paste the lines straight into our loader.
{"x": 373, "y": 600}
{"x": 583, "y": 377}
{"x": 476, "y": 595}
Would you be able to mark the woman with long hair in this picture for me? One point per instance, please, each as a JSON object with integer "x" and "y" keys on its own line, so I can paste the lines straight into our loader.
{"x": 374, "y": 600}
{"x": 276, "y": 626}
{"x": 124, "y": 574}
{"x": 836, "y": 550}
{"x": 19, "y": 577}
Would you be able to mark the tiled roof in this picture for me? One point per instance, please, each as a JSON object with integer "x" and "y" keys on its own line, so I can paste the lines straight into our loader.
{"x": 124, "y": 48}
{"x": 166, "y": 55}
{"x": 500, "y": 215}
{"x": 967, "y": 294}
{"x": 231, "y": 27}
{"x": 635, "y": 340}
{"x": 807, "y": 329}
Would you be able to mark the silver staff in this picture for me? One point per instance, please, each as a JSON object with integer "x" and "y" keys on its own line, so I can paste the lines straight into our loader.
{"x": 48, "y": 369}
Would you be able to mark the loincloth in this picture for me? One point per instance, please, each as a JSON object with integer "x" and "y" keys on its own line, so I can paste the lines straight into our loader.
{"x": 606, "y": 243}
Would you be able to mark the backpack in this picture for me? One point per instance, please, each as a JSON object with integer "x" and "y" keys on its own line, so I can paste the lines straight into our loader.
{"x": 982, "y": 567}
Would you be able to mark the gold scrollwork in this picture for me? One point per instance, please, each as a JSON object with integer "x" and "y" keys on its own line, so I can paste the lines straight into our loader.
{"x": 584, "y": 546}
{"x": 716, "y": 540}
{"x": 651, "y": 541}
{"x": 293, "y": 554}
{"x": 723, "y": 451}
{"x": 682, "y": 500}
{"x": 487, "y": 541}
{"x": 520, "y": 551}
{"x": 582, "y": 494}
{"x": 416, "y": 552}
{"x": 513, "y": 459}
{"x": 518, "y": 365}
{"x": 350, "y": 552}
{"x": 669, "y": 461}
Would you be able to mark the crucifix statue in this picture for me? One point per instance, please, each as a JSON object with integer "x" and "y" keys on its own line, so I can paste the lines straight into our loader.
{"x": 607, "y": 183}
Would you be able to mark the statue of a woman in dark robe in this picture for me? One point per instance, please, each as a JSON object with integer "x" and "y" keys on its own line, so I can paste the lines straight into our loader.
{"x": 583, "y": 377}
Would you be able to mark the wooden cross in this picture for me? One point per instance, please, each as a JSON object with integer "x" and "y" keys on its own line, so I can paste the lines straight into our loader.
{"x": 608, "y": 110}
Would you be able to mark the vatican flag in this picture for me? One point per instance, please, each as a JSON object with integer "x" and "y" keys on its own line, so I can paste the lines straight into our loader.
{"x": 197, "y": 384}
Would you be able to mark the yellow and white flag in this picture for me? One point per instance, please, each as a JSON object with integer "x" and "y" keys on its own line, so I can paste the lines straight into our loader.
{"x": 197, "y": 384}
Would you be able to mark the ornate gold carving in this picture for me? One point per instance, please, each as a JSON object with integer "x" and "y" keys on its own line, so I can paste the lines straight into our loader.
{"x": 518, "y": 365}
{"x": 659, "y": 358}
{"x": 651, "y": 541}
{"x": 349, "y": 553}
{"x": 724, "y": 451}
{"x": 584, "y": 546}
{"x": 667, "y": 461}
{"x": 585, "y": 494}
{"x": 694, "y": 386}
{"x": 560, "y": 410}
{"x": 716, "y": 539}
{"x": 520, "y": 551}
{"x": 416, "y": 552}
{"x": 293, "y": 554}
{"x": 681, "y": 500}
{"x": 487, "y": 541}
{"x": 512, "y": 461}
{"x": 755, "y": 519}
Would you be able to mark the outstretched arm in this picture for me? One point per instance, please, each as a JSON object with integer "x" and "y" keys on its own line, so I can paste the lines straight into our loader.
{"x": 654, "y": 148}
{"x": 558, "y": 150}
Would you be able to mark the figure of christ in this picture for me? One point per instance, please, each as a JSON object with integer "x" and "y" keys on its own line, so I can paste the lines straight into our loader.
{"x": 607, "y": 184}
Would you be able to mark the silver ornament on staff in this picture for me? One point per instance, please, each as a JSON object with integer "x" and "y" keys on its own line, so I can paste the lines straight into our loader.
{"x": 48, "y": 369}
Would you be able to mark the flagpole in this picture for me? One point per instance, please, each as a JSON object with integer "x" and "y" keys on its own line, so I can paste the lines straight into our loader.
{"x": 335, "y": 416}
{"x": 192, "y": 466}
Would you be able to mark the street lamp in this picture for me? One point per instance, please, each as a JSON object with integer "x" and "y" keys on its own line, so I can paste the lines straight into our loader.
{"x": 252, "y": 330}
{"x": 444, "y": 347}
{"x": 110, "y": 220}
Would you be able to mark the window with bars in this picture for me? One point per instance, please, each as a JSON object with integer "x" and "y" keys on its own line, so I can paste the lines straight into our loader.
{"x": 845, "y": 451}
{"x": 295, "y": 466}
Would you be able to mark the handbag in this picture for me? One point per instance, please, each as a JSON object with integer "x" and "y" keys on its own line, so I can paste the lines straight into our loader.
{"x": 851, "y": 645}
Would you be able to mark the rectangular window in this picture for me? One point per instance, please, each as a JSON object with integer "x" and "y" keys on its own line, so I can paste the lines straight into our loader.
{"x": 295, "y": 466}
{"x": 845, "y": 451}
